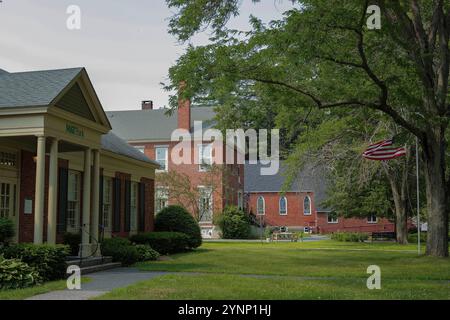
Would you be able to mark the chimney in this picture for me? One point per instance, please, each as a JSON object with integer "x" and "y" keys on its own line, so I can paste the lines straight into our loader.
{"x": 184, "y": 111}
{"x": 147, "y": 105}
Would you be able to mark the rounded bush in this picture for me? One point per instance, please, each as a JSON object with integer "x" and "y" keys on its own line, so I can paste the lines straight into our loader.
{"x": 146, "y": 253}
{"x": 163, "y": 242}
{"x": 6, "y": 230}
{"x": 234, "y": 224}
{"x": 15, "y": 274}
{"x": 121, "y": 250}
{"x": 178, "y": 219}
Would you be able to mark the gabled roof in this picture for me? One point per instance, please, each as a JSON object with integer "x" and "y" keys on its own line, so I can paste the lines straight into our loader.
{"x": 113, "y": 143}
{"x": 68, "y": 89}
{"x": 154, "y": 125}
{"x": 34, "y": 88}
{"x": 309, "y": 180}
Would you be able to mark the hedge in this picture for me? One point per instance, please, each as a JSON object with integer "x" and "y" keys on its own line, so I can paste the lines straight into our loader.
{"x": 350, "y": 236}
{"x": 178, "y": 219}
{"x": 121, "y": 250}
{"x": 163, "y": 242}
{"x": 49, "y": 261}
{"x": 6, "y": 230}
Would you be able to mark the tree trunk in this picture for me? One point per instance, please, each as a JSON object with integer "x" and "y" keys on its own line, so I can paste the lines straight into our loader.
{"x": 437, "y": 193}
{"x": 401, "y": 217}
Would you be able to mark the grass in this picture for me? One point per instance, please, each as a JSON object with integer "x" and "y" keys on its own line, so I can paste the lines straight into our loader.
{"x": 310, "y": 270}
{"x": 21, "y": 294}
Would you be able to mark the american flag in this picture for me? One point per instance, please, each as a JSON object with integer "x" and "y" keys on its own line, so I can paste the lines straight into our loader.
{"x": 383, "y": 150}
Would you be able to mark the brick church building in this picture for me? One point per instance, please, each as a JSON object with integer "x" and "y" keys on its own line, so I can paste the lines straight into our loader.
{"x": 300, "y": 207}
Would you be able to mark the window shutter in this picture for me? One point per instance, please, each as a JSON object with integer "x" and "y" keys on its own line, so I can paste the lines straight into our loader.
{"x": 127, "y": 206}
{"x": 141, "y": 207}
{"x": 117, "y": 204}
{"x": 62, "y": 201}
{"x": 100, "y": 209}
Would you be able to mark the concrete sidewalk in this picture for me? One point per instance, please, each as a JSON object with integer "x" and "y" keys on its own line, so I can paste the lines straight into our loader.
{"x": 101, "y": 283}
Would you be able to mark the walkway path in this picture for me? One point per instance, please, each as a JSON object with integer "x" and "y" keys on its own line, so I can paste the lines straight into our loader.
{"x": 101, "y": 283}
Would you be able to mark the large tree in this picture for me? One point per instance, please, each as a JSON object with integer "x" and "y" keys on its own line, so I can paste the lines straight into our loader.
{"x": 322, "y": 53}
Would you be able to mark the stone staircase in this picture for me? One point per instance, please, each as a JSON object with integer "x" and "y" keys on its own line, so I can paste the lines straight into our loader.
{"x": 93, "y": 264}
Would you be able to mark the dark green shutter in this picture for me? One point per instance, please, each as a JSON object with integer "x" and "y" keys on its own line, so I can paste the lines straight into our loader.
{"x": 62, "y": 201}
{"x": 127, "y": 206}
{"x": 141, "y": 207}
{"x": 117, "y": 205}
{"x": 100, "y": 207}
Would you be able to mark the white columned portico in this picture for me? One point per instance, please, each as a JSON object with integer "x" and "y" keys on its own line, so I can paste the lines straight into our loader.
{"x": 39, "y": 191}
{"x": 85, "y": 232}
{"x": 95, "y": 199}
{"x": 52, "y": 192}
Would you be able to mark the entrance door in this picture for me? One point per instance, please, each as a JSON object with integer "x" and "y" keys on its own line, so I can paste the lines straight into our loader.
{"x": 8, "y": 201}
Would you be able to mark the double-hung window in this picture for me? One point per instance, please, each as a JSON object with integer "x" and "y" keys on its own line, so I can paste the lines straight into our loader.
{"x": 205, "y": 157}
{"x": 162, "y": 157}
{"x": 161, "y": 199}
{"x": 205, "y": 204}
{"x": 73, "y": 201}
{"x": 372, "y": 219}
{"x": 333, "y": 218}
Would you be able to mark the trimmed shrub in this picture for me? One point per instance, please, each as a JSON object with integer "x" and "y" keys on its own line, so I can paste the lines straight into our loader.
{"x": 234, "y": 223}
{"x": 412, "y": 238}
{"x": 72, "y": 240}
{"x": 178, "y": 219}
{"x": 121, "y": 250}
{"x": 146, "y": 253}
{"x": 163, "y": 242}
{"x": 15, "y": 274}
{"x": 6, "y": 230}
{"x": 350, "y": 236}
{"x": 49, "y": 261}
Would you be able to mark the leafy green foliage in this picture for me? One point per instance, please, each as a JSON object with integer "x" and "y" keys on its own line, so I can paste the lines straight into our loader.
{"x": 6, "y": 229}
{"x": 146, "y": 253}
{"x": 15, "y": 274}
{"x": 121, "y": 250}
{"x": 163, "y": 242}
{"x": 49, "y": 261}
{"x": 234, "y": 223}
{"x": 178, "y": 219}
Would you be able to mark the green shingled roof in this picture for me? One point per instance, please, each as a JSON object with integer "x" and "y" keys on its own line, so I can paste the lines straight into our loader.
{"x": 34, "y": 88}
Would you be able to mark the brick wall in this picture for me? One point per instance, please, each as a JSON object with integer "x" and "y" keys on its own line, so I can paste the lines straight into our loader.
{"x": 317, "y": 220}
{"x": 198, "y": 178}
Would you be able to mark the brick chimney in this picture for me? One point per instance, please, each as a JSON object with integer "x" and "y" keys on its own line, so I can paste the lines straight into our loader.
{"x": 184, "y": 112}
{"x": 147, "y": 105}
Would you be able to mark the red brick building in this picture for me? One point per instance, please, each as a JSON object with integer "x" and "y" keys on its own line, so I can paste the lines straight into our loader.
{"x": 300, "y": 208}
{"x": 150, "y": 131}
{"x": 61, "y": 169}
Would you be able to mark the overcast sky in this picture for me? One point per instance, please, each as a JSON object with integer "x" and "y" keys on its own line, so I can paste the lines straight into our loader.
{"x": 124, "y": 45}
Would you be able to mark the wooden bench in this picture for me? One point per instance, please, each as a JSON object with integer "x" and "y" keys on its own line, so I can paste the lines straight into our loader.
{"x": 384, "y": 235}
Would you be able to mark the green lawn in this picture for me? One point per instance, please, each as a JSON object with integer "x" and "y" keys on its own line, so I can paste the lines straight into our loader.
{"x": 21, "y": 294}
{"x": 284, "y": 271}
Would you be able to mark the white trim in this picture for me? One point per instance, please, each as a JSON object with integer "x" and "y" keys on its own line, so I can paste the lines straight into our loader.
{"x": 332, "y": 222}
{"x": 264, "y": 206}
{"x": 310, "y": 206}
{"x": 166, "y": 169}
{"x": 200, "y": 158}
{"x": 279, "y": 206}
{"x": 370, "y": 221}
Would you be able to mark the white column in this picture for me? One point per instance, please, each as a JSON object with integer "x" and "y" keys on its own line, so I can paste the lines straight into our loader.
{"x": 85, "y": 232}
{"x": 95, "y": 199}
{"x": 39, "y": 191}
{"x": 52, "y": 192}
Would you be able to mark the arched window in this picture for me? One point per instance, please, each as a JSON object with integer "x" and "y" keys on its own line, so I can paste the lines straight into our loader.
{"x": 307, "y": 206}
{"x": 283, "y": 206}
{"x": 261, "y": 206}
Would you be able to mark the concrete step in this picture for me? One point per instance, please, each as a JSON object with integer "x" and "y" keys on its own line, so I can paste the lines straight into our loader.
{"x": 101, "y": 267}
{"x": 88, "y": 262}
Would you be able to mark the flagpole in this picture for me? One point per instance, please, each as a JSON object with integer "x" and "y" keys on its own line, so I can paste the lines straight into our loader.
{"x": 418, "y": 196}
